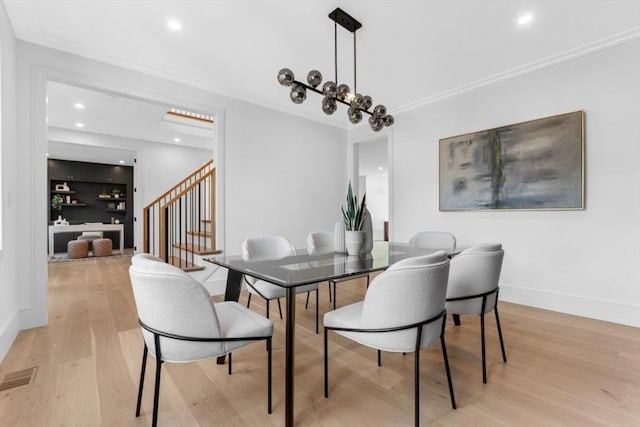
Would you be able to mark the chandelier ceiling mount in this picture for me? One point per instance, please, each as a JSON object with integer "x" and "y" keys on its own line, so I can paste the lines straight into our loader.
{"x": 334, "y": 93}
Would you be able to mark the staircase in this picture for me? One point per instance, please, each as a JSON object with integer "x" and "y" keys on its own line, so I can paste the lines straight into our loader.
{"x": 179, "y": 225}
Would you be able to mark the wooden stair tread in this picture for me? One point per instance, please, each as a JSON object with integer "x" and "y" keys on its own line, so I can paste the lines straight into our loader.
{"x": 200, "y": 233}
{"x": 184, "y": 264}
{"x": 196, "y": 249}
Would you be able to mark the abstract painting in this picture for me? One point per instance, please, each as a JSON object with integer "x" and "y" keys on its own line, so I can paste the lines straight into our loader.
{"x": 538, "y": 164}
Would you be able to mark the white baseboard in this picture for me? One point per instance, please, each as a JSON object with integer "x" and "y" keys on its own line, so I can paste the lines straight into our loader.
{"x": 611, "y": 311}
{"x": 8, "y": 334}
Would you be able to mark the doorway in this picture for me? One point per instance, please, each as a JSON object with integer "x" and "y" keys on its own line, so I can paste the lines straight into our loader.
{"x": 371, "y": 163}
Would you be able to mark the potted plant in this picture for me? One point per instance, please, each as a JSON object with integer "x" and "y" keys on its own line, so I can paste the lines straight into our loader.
{"x": 56, "y": 206}
{"x": 56, "y": 202}
{"x": 353, "y": 216}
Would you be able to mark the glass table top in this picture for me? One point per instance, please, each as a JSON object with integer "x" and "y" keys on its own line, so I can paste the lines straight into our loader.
{"x": 304, "y": 267}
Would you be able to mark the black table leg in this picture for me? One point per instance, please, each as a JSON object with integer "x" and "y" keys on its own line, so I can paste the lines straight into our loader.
{"x": 289, "y": 356}
{"x": 231, "y": 293}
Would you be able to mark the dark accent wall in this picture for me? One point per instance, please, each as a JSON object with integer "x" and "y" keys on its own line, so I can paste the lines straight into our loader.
{"x": 86, "y": 182}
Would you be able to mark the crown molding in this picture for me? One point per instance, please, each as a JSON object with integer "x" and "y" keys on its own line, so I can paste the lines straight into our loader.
{"x": 606, "y": 43}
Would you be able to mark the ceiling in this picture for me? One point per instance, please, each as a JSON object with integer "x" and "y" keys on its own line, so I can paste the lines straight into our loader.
{"x": 409, "y": 52}
{"x": 73, "y": 113}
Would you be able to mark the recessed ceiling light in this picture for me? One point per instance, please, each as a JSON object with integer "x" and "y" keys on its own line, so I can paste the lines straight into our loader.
{"x": 380, "y": 168}
{"x": 79, "y": 106}
{"x": 47, "y": 154}
{"x": 176, "y": 139}
{"x": 79, "y": 125}
{"x": 525, "y": 19}
{"x": 174, "y": 25}
{"x": 121, "y": 162}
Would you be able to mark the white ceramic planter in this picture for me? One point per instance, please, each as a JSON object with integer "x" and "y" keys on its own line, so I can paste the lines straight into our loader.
{"x": 354, "y": 241}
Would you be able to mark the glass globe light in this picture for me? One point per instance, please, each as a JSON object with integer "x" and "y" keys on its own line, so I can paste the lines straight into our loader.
{"x": 389, "y": 120}
{"x": 329, "y": 88}
{"x": 367, "y": 102}
{"x": 355, "y": 115}
{"x": 298, "y": 94}
{"x": 375, "y": 123}
{"x": 314, "y": 78}
{"x": 343, "y": 92}
{"x": 285, "y": 77}
{"x": 380, "y": 110}
{"x": 357, "y": 100}
{"x": 329, "y": 105}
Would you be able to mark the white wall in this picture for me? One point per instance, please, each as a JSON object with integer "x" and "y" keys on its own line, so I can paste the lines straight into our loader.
{"x": 276, "y": 173}
{"x": 579, "y": 262}
{"x": 286, "y": 175}
{"x": 10, "y": 281}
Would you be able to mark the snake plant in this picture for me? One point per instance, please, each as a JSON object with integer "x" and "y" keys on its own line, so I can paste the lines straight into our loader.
{"x": 352, "y": 212}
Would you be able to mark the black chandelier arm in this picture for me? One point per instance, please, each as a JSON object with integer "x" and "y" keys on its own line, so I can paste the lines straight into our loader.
{"x": 311, "y": 88}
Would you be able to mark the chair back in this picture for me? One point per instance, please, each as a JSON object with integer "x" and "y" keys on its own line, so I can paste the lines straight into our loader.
{"x": 474, "y": 271}
{"x": 320, "y": 242}
{"x": 145, "y": 256}
{"x": 408, "y": 292}
{"x": 170, "y": 301}
{"x": 266, "y": 247}
{"x": 436, "y": 240}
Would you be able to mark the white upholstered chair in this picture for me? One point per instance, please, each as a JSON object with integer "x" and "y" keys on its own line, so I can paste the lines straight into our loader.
{"x": 323, "y": 242}
{"x": 436, "y": 240}
{"x": 180, "y": 323}
{"x": 271, "y": 247}
{"x": 473, "y": 288}
{"x": 403, "y": 310}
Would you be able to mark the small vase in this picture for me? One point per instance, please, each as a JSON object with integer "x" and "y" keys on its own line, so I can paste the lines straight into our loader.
{"x": 354, "y": 241}
{"x": 338, "y": 235}
{"x": 367, "y": 229}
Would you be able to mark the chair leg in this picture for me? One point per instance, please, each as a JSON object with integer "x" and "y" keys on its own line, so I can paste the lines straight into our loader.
{"x": 329, "y": 283}
{"x": 249, "y": 301}
{"x": 484, "y": 356}
{"x": 416, "y": 379}
{"x": 269, "y": 376}
{"x": 156, "y": 393}
{"x": 230, "y": 358}
{"x": 456, "y": 319}
{"x": 368, "y": 279}
{"x": 280, "y": 309}
{"x": 379, "y": 358}
{"x": 306, "y": 304}
{"x": 142, "y": 371}
{"x": 446, "y": 367}
{"x": 326, "y": 365}
{"x": 267, "y": 304}
{"x": 504, "y": 355}
{"x": 317, "y": 306}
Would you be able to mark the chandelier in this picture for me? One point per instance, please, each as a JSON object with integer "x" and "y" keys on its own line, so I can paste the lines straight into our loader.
{"x": 334, "y": 93}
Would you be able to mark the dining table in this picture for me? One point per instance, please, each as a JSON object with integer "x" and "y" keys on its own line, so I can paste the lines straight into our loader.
{"x": 303, "y": 267}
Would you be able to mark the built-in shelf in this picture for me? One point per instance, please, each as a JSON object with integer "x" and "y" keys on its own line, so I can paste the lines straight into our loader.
{"x": 62, "y": 192}
{"x": 112, "y": 199}
{"x": 74, "y": 204}
{"x": 116, "y": 210}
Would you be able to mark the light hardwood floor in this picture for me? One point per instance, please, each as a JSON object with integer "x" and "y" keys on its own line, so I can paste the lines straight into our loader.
{"x": 562, "y": 370}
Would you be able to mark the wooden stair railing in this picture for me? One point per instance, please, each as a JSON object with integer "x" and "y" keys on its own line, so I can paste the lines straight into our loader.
{"x": 181, "y": 223}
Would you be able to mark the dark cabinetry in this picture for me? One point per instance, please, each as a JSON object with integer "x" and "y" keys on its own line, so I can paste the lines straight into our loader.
{"x": 91, "y": 197}
{"x": 67, "y": 171}
{"x": 64, "y": 170}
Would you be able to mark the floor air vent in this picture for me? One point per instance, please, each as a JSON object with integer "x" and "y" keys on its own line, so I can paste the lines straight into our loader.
{"x": 18, "y": 378}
